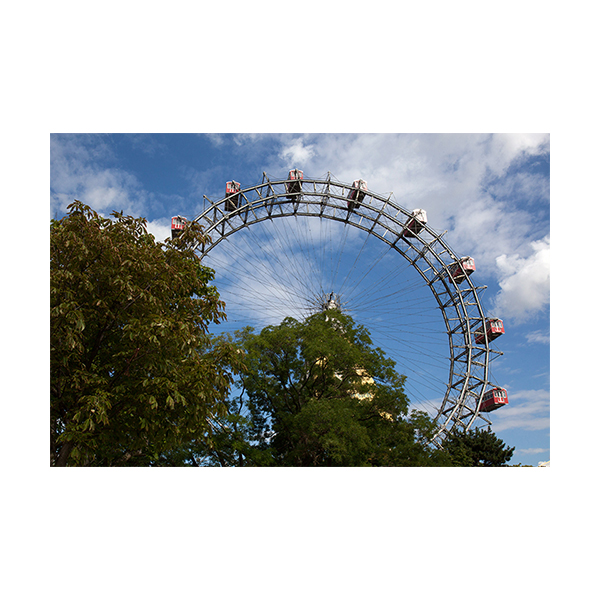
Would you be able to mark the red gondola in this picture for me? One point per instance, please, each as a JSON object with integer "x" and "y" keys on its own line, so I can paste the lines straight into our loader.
{"x": 177, "y": 226}
{"x": 357, "y": 193}
{"x": 459, "y": 271}
{"x": 293, "y": 186}
{"x": 415, "y": 223}
{"x": 232, "y": 189}
{"x": 494, "y": 328}
{"x": 493, "y": 399}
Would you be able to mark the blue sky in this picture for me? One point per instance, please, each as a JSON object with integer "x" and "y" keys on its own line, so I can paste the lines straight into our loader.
{"x": 489, "y": 191}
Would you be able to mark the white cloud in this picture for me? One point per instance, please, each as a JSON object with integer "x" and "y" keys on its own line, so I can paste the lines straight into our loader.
{"x": 532, "y": 450}
{"x": 243, "y": 138}
{"x": 527, "y": 409}
{"x": 75, "y": 174}
{"x": 446, "y": 174}
{"x": 265, "y": 293}
{"x": 215, "y": 138}
{"x": 506, "y": 147}
{"x": 273, "y": 270}
{"x": 297, "y": 153}
{"x": 524, "y": 282}
{"x": 458, "y": 178}
{"x": 160, "y": 229}
{"x": 539, "y": 337}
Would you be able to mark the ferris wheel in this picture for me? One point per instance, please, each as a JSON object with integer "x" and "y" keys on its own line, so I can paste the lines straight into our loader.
{"x": 296, "y": 246}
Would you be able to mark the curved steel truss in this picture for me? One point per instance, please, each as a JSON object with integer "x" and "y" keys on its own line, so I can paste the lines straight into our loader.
{"x": 382, "y": 218}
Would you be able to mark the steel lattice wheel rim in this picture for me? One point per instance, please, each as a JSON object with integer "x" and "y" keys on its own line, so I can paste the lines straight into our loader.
{"x": 427, "y": 252}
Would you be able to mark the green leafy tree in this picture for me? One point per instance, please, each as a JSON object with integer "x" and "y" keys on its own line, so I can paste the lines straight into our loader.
{"x": 134, "y": 372}
{"x": 317, "y": 393}
{"x": 477, "y": 448}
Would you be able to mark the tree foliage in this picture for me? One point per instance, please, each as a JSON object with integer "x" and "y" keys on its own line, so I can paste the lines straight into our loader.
{"x": 477, "y": 448}
{"x": 136, "y": 379}
{"x": 134, "y": 373}
{"x": 317, "y": 393}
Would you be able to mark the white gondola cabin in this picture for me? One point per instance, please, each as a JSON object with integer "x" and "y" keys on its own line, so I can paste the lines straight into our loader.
{"x": 415, "y": 223}
{"x": 493, "y": 399}
{"x": 293, "y": 185}
{"x": 357, "y": 193}
{"x": 177, "y": 226}
{"x": 459, "y": 270}
{"x": 493, "y": 328}
{"x": 232, "y": 189}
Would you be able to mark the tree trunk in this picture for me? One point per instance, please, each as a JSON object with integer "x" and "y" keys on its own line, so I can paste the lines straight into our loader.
{"x": 63, "y": 455}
